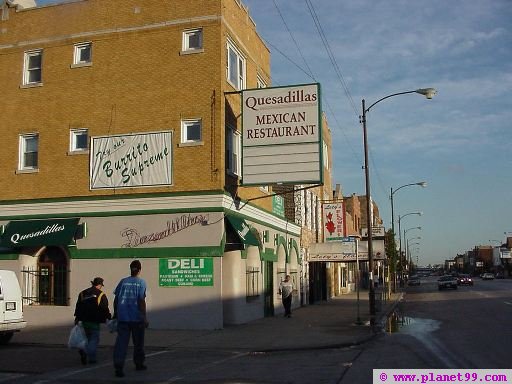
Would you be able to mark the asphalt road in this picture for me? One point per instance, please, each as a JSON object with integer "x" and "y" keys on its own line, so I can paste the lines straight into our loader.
{"x": 467, "y": 328}
{"x": 463, "y": 328}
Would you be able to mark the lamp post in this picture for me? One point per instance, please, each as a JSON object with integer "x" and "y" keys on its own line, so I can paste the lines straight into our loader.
{"x": 422, "y": 184}
{"x": 428, "y": 93}
{"x": 409, "y": 251}
{"x": 400, "y": 218}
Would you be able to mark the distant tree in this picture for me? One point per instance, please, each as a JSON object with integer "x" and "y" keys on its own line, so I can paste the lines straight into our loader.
{"x": 391, "y": 251}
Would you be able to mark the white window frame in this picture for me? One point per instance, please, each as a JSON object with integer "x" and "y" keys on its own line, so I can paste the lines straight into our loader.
{"x": 326, "y": 155}
{"x": 22, "y": 166}
{"x": 233, "y": 148}
{"x": 28, "y": 70}
{"x": 260, "y": 83}
{"x": 239, "y": 82}
{"x": 187, "y": 34}
{"x": 185, "y": 124}
{"x": 73, "y": 135}
{"x": 78, "y": 48}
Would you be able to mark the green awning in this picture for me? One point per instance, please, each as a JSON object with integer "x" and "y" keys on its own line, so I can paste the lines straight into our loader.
{"x": 243, "y": 230}
{"x": 33, "y": 233}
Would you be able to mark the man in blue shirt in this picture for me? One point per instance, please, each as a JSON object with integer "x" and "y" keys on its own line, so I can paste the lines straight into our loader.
{"x": 130, "y": 311}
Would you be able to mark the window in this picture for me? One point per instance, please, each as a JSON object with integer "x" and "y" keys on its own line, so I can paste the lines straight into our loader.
{"x": 29, "y": 151}
{"x": 193, "y": 40}
{"x": 191, "y": 131}
{"x": 236, "y": 68}
{"x": 260, "y": 83}
{"x": 252, "y": 283}
{"x": 79, "y": 140}
{"x": 82, "y": 54}
{"x": 33, "y": 67}
{"x": 325, "y": 155}
{"x": 233, "y": 151}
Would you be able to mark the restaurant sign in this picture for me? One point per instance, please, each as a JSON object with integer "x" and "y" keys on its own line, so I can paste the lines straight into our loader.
{"x": 32, "y": 233}
{"x": 186, "y": 272}
{"x": 282, "y": 135}
{"x": 131, "y": 160}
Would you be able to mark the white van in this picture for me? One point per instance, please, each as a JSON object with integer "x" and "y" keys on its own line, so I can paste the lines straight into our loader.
{"x": 11, "y": 306}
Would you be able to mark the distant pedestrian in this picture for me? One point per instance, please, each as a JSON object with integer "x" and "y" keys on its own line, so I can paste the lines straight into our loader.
{"x": 92, "y": 309}
{"x": 130, "y": 311}
{"x": 286, "y": 290}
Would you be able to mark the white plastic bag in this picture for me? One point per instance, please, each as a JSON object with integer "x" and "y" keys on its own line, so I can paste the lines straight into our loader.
{"x": 112, "y": 325}
{"x": 77, "y": 337}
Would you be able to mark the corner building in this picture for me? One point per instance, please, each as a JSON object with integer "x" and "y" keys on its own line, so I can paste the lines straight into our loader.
{"x": 121, "y": 139}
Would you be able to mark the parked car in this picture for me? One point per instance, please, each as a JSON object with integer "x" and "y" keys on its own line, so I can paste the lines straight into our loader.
{"x": 414, "y": 280}
{"x": 464, "y": 280}
{"x": 447, "y": 281}
{"x": 11, "y": 306}
{"x": 487, "y": 276}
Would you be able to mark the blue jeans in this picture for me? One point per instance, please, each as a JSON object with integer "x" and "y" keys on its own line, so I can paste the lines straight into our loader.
{"x": 93, "y": 339}
{"x": 124, "y": 329}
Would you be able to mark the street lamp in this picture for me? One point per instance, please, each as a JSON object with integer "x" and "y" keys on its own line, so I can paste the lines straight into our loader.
{"x": 400, "y": 218}
{"x": 408, "y": 251}
{"x": 428, "y": 93}
{"x": 422, "y": 184}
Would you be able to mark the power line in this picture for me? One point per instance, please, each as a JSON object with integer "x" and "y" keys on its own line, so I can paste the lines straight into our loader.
{"x": 331, "y": 55}
{"x": 294, "y": 41}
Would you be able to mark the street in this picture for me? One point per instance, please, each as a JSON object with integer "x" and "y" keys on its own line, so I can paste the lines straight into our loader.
{"x": 463, "y": 328}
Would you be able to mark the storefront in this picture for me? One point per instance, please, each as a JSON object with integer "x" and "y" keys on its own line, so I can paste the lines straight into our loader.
{"x": 205, "y": 267}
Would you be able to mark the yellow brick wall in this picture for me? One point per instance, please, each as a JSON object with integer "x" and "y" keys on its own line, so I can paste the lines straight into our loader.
{"x": 138, "y": 82}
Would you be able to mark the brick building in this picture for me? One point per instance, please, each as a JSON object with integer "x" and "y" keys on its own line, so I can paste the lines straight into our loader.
{"x": 121, "y": 139}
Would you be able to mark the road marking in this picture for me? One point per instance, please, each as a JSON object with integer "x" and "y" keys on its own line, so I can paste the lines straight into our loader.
{"x": 506, "y": 302}
{"x": 202, "y": 368}
{"x": 90, "y": 368}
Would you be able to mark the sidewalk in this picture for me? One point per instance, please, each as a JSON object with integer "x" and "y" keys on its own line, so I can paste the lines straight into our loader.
{"x": 328, "y": 324}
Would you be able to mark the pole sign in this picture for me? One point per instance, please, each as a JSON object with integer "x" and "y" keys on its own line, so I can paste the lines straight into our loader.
{"x": 334, "y": 223}
{"x": 186, "y": 272}
{"x": 282, "y": 135}
{"x": 278, "y": 205}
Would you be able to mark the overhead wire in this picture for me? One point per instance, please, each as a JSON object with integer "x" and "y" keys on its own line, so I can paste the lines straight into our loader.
{"x": 332, "y": 58}
{"x": 339, "y": 74}
{"x": 310, "y": 74}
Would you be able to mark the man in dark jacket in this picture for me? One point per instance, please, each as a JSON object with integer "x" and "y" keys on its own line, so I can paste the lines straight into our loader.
{"x": 92, "y": 310}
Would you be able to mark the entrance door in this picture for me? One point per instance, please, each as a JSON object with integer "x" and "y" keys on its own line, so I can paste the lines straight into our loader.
{"x": 53, "y": 277}
{"x": 269, "y": 289}
{"x": 45, "y": 283}
{"x": 317, "y": 282}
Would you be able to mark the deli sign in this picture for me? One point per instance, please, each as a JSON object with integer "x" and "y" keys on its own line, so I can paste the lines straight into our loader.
{"x": 282, "y": 135}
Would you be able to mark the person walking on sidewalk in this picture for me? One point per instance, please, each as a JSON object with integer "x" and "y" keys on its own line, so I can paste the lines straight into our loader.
{"x": 286, "y": 290}
{"x": 92, "y": 310}
{"x": 130, "y": 311}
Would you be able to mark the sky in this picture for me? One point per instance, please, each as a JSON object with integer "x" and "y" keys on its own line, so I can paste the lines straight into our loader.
{"x": 459, "y": 142}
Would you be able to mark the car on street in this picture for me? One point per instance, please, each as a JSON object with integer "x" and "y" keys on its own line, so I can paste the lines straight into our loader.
{"x": 414, "y": 280}
{"x": 464, "y": 279}
{"x": 447, "y": 281}
{"x": 487, "y": 276}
